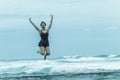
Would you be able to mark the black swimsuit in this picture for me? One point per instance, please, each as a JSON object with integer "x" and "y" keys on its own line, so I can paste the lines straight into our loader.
{"x": 44, "y": 40}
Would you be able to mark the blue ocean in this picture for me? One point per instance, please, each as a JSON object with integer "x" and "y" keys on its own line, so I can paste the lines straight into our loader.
{"x": 103, "y": 67}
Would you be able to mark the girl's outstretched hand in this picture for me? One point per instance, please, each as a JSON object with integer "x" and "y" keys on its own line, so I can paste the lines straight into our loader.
{"x": 30, "y": 19}
{"x": 51, "y": 15}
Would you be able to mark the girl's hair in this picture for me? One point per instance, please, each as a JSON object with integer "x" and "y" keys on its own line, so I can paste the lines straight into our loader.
{"x": 42, "y": 23}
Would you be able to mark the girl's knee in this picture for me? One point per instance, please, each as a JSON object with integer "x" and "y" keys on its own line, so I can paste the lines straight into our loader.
{"x": 47, "y": 54}
{"x": 48, "y": 50}
{"x": 42, "y": 53}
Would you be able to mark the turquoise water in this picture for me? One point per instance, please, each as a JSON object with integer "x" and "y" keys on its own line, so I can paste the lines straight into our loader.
{"x": 101, "y": 76}
{"x": 103, "y": 67}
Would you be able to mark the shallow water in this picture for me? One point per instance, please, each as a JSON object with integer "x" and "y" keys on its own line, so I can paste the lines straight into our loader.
{"x": 64, "y": 68}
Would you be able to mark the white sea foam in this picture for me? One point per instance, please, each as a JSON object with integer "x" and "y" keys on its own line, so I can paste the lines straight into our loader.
{"x": 68, "y": 65}
{"x": 111, "y": 56}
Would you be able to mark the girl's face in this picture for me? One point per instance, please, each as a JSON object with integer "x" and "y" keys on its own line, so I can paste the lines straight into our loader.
{"x": 43, "y": 25}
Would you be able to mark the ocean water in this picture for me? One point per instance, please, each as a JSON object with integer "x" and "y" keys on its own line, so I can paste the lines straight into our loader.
{"x": 103, "y": 67}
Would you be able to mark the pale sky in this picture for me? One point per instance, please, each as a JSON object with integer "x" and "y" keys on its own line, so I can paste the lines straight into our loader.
{"x": 80, "y": 27}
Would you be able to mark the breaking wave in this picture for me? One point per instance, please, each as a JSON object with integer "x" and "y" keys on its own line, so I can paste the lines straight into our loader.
{"x": 61, "y": 66}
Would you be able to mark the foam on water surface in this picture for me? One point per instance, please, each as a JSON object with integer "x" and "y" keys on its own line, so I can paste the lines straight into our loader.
{"x": 64, "y": 65}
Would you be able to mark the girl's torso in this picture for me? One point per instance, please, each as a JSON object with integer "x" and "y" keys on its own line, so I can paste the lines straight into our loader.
{"x": 44, "y": 34}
